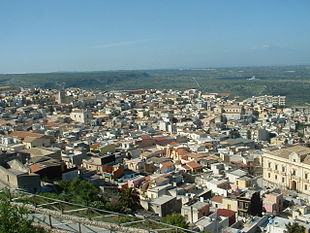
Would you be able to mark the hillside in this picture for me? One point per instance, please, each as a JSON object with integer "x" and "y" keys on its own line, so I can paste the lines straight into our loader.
{"x": 292, "y": 81}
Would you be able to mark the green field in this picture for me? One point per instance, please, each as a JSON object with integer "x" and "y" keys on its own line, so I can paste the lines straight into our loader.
{"x": 292, "y": 81}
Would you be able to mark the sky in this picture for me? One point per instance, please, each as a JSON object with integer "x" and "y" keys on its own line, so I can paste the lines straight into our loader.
{"x": 95, "y": 35}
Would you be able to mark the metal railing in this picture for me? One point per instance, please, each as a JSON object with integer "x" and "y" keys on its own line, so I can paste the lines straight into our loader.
{"x": 71, "y": 217}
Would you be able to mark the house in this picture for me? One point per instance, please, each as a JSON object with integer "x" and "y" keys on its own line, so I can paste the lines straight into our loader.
{"x": 47, "y": 167}
{"x": 217, "y": 202}
{"x": 273, "y": 202}
{"x": 167, "y": 167}
{"x": 33, "y": 139}
{"x": 230, "y": 203}
{"x": 192, "y": 211}
{"x": 227, "y": 213}
{"x": 73, "y": 158}
{"x": 250, "y": 204}
{"x": 165, "y": 205}
{"x": 81, "y": 115}
{"x": 96, "y": 162}
{"x": 158, "y": 191}
{"x": 24, "y": 180}
{"x": 212, "y": 223}
{"x": 112, "y": 170}
{"x": 54, "y": 153}
{"x": 140, "y": 165}
{"x": 193, "y": 167}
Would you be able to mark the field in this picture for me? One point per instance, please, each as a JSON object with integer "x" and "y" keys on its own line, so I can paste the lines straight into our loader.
{"x": 292, "y": 81}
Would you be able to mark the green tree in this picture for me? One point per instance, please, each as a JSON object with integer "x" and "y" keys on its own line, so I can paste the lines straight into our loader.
{"x": 294, "y": 228}
{"x": 15, "y": 219}
{"x": 130, "y": 198}
{"x": 176, "y": 220}
{"x": 79, "y": 191}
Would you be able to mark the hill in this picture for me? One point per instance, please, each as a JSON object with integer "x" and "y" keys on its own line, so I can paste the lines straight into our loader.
{"x": 292, "y": 81}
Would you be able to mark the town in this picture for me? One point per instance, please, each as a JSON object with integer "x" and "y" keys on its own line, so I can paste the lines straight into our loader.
{"x": 222, "y": 163}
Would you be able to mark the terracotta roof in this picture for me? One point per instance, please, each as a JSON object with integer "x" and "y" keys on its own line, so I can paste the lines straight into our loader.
{"x": 225, "y": 212}
{"x": 182, "y": 151}
{"x": 194, "y": 165}
{"x": 24, "y": 134}
{"x": 168, "y": 164}
{"x": 218, "y": 199}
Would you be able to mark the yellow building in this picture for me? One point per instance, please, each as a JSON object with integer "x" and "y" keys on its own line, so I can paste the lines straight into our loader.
{"x": 288, "y": 167}
{"x": 244, "y": 182}
{"x": 230, "y": 203}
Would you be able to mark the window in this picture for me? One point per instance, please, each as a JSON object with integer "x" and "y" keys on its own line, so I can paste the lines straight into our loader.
{"x": 276, "y": 167}
{"x": 268, "y": 175}
{"x": 306, "y": 175}
{"x": 306, "y": 187}
{"x": 246, "y": 205}
{"x": 283, "y": 180}
{"x": 229, "y": 207}
{"x": 269, "y": 165}
{"x": 294, "y": 172}
{"x": 283, "y": 169}
{"x": 275, "y": 177}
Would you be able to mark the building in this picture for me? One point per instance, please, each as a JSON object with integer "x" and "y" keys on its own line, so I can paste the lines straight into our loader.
{"x": 81, "y": 116}
{"x": 31, "y": 140}
{"x": 288, "y": 168}
{"x": 269, "y": 99}
{"x": 250, "y": 204}
{"x": 193, "y": 211}
{"x": 165, "y": 205}
{"x": 15, "y": 178}
{"x": 273, "y": 202}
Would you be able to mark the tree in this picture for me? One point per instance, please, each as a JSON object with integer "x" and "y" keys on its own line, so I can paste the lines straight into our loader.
{"x": 176, "y": 220}
{"x": 15, "y": 219}
{"x": 294, "y": 228}
{"x": 130, "y": 198}
{"x": 79, "y": 191}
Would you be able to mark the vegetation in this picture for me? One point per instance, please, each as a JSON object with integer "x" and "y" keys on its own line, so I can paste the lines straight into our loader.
{"x": 14, "y": 219}
{"x": 130, "y": 199}
{"x": 292, "y": 81}
{"x": 294, "y": 228}
{"x": 176, "y": 220}
{"x": 86, "y": 193}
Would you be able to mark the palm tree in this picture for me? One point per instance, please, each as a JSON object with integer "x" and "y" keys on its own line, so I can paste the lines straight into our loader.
{"x": 130, "y": 198}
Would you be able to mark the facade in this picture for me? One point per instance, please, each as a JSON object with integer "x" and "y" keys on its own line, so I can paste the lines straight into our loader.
{"x": 18, "y": 179}
{"x": 250, "y": 204}
{"x": 81, "y": 116}
{"x": 165, "y": 205}
{"x": 288, "y": 167}
{"x": 194, "y": 211}
{"x": 273, "y": 202}
{"x": 275, "y": 100}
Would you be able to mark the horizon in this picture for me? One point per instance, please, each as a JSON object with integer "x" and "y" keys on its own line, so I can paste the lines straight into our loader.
{"x": 180, "y": 69}
{"x": 48, "y": 36}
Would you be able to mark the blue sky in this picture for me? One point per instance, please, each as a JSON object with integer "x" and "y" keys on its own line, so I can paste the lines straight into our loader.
{"x": 86, "y": 35}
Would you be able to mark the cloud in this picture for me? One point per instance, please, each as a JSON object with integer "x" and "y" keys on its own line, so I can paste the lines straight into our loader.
{"x": 119, "y": 44}
{"x": 264, "y": 46}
